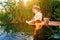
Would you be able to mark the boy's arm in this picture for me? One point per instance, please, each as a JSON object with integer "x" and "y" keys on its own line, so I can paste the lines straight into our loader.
{"x": 31, "y": 21}
{"x": 36, "y": 17}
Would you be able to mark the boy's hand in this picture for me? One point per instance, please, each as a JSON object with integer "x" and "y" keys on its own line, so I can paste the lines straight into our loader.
{"x": 27, "y": 22}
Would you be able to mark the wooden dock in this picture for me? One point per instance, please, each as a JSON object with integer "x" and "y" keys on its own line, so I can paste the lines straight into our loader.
{"x": 54, "y": 23}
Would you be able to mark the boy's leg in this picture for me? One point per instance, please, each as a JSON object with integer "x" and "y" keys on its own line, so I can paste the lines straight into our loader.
{"x": 36, "y": 30}
{"x": 35, "y": 34}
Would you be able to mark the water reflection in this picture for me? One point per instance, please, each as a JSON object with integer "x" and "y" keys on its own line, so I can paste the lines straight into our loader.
{"x": 14, "y": 36}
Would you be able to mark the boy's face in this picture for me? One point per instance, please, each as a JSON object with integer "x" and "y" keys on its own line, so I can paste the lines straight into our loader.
{"x": 35, "y": 10}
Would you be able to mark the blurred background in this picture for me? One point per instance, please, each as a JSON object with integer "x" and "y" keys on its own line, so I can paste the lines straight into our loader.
{"x": 14, "y": 13}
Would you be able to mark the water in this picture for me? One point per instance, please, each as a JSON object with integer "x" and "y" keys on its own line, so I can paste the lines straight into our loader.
{"x": 15, "y": 36}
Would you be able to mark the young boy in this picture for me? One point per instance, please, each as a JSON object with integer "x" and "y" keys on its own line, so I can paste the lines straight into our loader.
{"x": 37, "y": 19}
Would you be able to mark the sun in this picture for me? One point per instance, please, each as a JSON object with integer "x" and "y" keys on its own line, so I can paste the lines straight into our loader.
{"x": 26, "y": 2}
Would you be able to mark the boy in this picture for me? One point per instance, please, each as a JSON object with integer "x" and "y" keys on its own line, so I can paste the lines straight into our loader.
{"x": 37, "y": 19}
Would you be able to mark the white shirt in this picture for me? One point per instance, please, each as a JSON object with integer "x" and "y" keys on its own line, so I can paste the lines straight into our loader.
{"x": 38, "y": 16}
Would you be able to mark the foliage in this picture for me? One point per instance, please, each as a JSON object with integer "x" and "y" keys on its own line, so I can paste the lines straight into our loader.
{"x": 6, "y": 18}
{"x": 55, "y": 10}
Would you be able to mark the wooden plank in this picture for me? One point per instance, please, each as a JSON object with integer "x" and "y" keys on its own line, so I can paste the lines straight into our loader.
{"x": 50, "y": 23}
{"x": 54, "y": 23}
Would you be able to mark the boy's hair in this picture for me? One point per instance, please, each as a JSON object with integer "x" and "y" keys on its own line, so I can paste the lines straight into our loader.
{"x": 36, "y": 7}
